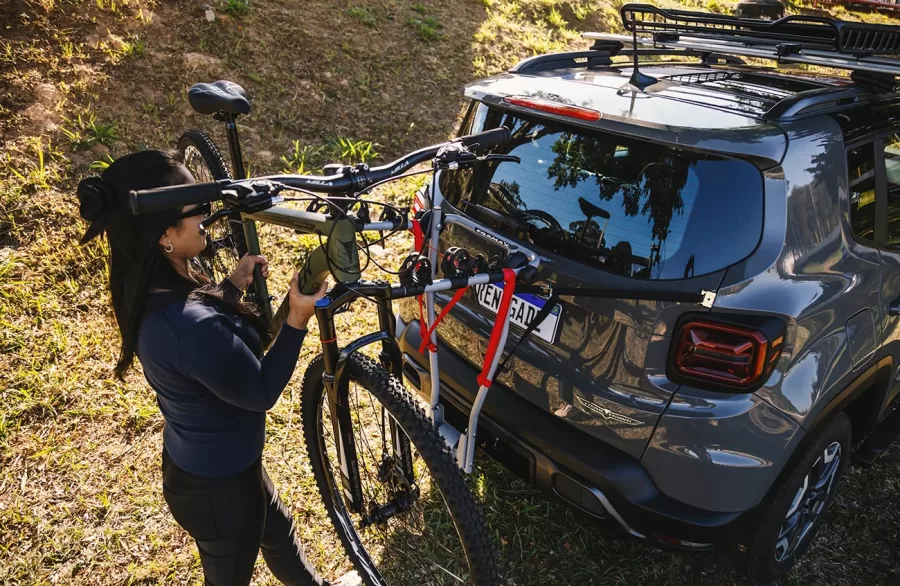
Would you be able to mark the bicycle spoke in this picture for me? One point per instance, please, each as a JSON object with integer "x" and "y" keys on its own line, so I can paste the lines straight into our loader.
{"x": 368, "y": 448}
{"x": 363, "y": 470}
{"x": 413, "y": 545}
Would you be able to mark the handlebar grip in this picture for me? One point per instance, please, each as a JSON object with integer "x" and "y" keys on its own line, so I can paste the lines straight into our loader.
{"x": 152, "y": 200}
{"x": 487, "y": 139}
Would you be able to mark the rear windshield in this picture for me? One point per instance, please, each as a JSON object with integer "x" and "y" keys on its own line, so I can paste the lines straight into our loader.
{"x": 634, "y": 208}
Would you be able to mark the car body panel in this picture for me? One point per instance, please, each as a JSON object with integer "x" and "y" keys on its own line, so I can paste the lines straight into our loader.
{"x": 606, "y": 374}
{"x": 821, "y": 278}
{"x": 596, "y": 373}
{"x": 719, "y": 452}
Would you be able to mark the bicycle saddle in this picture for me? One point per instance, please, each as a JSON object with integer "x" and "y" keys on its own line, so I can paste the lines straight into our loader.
{"x": 221, "y": 96}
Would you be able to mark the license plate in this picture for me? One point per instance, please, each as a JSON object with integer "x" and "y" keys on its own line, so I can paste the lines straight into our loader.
{"x": 522, "y": 309}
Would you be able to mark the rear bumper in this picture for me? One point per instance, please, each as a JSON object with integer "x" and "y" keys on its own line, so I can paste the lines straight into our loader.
{"x": 559, "y": 459}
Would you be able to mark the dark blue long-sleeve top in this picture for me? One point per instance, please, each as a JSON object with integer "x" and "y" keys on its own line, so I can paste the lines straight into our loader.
{"x": 212, "y": 383}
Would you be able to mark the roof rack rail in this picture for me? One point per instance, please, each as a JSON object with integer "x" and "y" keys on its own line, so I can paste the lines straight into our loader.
{"x": 780, "y": 53}
{"x": 811, "y": 40}
{"x": 564, "y": 60}
{"x": 601, "y": 53}
{"x": 818, "y": 101}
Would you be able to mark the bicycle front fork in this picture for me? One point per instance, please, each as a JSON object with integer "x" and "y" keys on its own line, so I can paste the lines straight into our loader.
{"x": 337, "y": 386}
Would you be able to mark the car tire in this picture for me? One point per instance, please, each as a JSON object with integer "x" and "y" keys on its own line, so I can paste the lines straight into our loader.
{"x": 790, "y": 519}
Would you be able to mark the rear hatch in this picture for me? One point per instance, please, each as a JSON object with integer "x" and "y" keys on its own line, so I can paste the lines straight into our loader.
{"x": 601, "y": 210}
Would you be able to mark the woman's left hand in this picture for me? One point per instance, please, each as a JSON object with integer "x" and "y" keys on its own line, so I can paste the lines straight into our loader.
{"x": 242, "y": 276}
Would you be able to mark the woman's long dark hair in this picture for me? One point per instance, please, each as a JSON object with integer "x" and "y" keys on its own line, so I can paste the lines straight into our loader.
{"x": 137, "y": 262}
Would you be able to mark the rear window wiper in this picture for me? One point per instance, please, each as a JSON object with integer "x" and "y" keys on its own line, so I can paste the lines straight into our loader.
{"x": 508, "y": 221}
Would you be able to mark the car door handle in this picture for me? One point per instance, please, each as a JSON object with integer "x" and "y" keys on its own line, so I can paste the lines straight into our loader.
{"x": 894, "y": 307}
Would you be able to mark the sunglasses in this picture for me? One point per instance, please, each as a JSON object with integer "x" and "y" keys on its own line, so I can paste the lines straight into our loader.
{"x": 204, "y": 209}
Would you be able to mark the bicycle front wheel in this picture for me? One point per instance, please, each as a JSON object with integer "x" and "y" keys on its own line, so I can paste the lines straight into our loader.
{"x": 419, "y": 523}
{"x": 225, "y": 243}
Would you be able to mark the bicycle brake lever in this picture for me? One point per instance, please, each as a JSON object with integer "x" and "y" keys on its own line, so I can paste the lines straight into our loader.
{"x": 500, "y": 158}
{"x": 248, "y": 206}
{"x": 205, "y": 224}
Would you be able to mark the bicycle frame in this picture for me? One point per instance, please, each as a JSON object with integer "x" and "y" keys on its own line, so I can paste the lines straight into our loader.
{"x": 341, "y": 245}
{"x": 350, "y": 287}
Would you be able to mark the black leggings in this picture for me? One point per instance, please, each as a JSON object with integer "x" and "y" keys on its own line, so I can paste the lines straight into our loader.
{"x": 231, "y": 519}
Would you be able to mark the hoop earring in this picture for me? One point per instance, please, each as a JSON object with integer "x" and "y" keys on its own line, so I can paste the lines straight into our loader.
{"x": 169, "y": 248}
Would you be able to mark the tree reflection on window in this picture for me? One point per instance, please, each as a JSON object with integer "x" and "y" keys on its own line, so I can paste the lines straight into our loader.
{"x": 630, "y": 207}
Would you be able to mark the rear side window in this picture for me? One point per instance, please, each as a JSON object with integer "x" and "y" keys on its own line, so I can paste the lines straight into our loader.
{"x": 634, "y": 208}
{"x": 892, "y": 172}
{"x": 861, "y": 176}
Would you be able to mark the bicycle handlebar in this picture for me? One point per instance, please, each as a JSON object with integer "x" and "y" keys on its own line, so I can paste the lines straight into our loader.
{"x": 151, "y": 200}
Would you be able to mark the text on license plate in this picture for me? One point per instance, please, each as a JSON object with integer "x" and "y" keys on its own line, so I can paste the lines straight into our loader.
{"x": 522, "y": 309}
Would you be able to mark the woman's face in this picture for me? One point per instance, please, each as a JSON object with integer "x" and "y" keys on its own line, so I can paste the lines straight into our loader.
{"x": 187, "y": 239}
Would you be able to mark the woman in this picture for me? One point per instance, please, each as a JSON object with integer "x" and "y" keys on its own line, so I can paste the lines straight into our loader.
{"x": 201, "y": 350}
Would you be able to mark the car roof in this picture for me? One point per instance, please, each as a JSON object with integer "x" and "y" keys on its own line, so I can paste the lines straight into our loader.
{"x": 693, "y": 103}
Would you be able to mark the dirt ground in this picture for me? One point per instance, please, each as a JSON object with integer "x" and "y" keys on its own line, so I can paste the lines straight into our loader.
{"x": 84, "y": 81}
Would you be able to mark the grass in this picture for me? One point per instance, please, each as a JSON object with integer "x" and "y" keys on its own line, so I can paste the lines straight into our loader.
{"x": 85, "y": 131}
{"x": 304, "y": 159}
{"x": 237, "y": 7}
{"x": 351, "y": 152}
{"x": 80, "y": 498}
{"x": 426, "y": 27}
{"x": 100, "y": 165}
{"x": 134, "y": 47}
{"x": 38, "y": 173}
{"x": 363, "y": 14}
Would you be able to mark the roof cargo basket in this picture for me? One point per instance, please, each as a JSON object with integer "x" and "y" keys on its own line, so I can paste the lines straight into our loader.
{"x": 806, "y": 32}
{"x": 812, "y": 40}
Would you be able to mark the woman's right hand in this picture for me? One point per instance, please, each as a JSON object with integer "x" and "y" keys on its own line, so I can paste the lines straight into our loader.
{"x": 303, "y": 307}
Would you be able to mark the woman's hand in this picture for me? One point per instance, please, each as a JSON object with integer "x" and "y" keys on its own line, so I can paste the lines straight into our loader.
{"x": 303, "y": 307}
{"x": 242, "y": 276}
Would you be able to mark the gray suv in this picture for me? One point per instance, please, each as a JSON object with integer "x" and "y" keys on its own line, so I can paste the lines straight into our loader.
{"x": 661, "y": 162}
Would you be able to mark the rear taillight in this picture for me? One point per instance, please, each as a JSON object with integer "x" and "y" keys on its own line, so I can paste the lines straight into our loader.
{"x": 551, "y": 107}
{"x": 724, "y": 354}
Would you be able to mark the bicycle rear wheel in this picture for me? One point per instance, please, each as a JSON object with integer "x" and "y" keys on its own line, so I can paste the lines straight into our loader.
{"x": 225, "y": 239}
{"x": 430, "y": 531}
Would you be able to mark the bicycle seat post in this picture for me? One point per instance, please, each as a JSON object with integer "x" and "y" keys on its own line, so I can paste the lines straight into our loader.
{"x": 234, "y": 144}
{"x": 260, "y": 289}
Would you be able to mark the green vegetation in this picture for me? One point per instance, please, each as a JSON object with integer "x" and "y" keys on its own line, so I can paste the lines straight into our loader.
{"x": 426, "y": 27}
{"x": 363, "y": 14}
{"x": 80, "y": 496}
{"x": 237, "y": 7}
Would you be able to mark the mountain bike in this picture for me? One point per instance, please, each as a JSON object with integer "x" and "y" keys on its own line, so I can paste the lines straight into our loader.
{"x": 389, "y": 468}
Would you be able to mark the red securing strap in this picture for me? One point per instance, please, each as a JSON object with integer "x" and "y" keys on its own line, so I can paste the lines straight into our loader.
{"x": 426, "y": 335}
{"x": 509, "y": 285}
{"x": 426, "y": 339}
{"x": 418, "y": 236}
